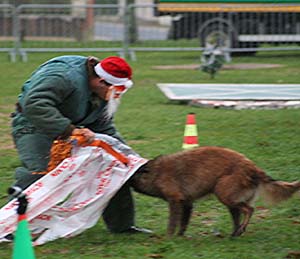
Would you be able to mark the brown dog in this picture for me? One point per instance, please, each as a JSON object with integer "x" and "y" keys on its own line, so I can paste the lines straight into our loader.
{"x": 186, "y": 176}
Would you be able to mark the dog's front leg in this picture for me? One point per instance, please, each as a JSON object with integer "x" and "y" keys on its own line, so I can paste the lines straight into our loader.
{"x": 185, "y": 219}
{"x": 175, "y": 215}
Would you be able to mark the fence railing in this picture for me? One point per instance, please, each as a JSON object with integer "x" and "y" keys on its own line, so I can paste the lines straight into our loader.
{"x": 128, "y": 29}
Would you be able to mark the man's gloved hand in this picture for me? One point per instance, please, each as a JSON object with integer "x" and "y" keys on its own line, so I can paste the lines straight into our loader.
{"x": 88, "y": 135}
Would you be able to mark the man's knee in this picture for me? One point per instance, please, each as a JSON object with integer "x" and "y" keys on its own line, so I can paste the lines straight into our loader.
{"x": 34, "y": 151}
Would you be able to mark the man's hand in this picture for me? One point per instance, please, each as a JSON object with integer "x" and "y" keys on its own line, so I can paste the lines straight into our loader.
{"x": 86, "y": 133}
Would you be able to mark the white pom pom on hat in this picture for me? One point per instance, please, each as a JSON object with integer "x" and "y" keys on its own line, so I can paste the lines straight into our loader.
{"x": 115, "y": 71}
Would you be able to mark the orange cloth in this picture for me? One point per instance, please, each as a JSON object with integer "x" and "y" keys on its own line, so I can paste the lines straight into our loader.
{"x": 62, "y": 149}
{"x": 99, "y": 143}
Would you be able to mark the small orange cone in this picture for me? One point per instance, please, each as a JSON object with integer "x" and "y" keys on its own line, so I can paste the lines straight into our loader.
{"x": 190, "y": 139}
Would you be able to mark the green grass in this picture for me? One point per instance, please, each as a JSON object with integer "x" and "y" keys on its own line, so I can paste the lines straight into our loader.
{"x": 152, "y": 125}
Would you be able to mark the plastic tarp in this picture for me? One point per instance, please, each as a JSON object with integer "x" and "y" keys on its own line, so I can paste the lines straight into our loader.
{"x": 72, "y": 197}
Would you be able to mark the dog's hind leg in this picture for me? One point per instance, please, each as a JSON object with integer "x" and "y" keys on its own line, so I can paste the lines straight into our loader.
{"x": 175, "y": 216}
{"x": 185, "y": 218}
{"x": 247, "y": 212}
{"x": 231, "y": 191}
{"x": 236, "y": 217}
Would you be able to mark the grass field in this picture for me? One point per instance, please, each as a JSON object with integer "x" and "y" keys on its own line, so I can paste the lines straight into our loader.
{"x": 152, "y": 125}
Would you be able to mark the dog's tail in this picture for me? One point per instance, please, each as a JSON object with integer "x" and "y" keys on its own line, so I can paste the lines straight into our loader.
{"x": 274, "y": 191}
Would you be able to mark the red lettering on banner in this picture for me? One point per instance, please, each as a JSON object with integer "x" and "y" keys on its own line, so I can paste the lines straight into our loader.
{"x": 43, "y": 217}
{"x": 34, "y": 188}
{"x": 12, "y": 205}
{"x": 103, "y": 174}
{"x": 101, "y": 186}
{"x": 68, "y": 178}
{"x": 65, "y": 164}
{"x": 72, "y": 166}
{"x": 105, "y": 181}
{"x": 56, "y": 172}
{"x": 107, "y": 171}
{"x": 82, "y": 173}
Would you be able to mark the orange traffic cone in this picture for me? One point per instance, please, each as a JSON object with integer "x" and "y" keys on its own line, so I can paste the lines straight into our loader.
{"x": 190, "y": 139}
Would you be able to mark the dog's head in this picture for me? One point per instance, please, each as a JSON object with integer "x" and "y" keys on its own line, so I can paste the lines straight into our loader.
{"x": 144, "y": 179}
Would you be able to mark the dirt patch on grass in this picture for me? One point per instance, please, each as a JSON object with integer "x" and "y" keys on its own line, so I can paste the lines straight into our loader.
{"x": 240, "y": 66}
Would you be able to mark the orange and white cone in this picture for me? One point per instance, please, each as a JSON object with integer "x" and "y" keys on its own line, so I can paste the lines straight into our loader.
{"x": 190, "y": 139}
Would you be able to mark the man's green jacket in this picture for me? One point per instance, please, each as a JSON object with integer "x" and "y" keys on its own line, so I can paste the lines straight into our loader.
{"x": 56, "y": 98}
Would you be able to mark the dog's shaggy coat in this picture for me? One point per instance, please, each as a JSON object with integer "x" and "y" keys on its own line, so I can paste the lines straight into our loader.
{"x": 186, "y": 176}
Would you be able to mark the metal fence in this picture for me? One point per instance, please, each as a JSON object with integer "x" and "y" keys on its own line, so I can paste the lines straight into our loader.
{"x": 7, "y": 33}
{"x": 126, "y": 30}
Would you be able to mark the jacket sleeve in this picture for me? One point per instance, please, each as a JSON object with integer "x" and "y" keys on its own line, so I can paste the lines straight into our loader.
{"x": 41, "y": 102}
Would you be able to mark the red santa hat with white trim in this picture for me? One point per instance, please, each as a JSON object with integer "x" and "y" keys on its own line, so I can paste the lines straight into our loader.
{"x": 115, "y": 71}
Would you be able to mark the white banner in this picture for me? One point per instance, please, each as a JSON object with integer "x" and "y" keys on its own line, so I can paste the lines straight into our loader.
{"x": 72, "y": 197}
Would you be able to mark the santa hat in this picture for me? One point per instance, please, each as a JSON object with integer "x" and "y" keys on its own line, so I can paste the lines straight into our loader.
{"x": 115, "y": 71}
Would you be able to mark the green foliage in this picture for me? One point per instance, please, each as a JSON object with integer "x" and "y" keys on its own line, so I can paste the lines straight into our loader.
{"x": 152, "y": 125}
